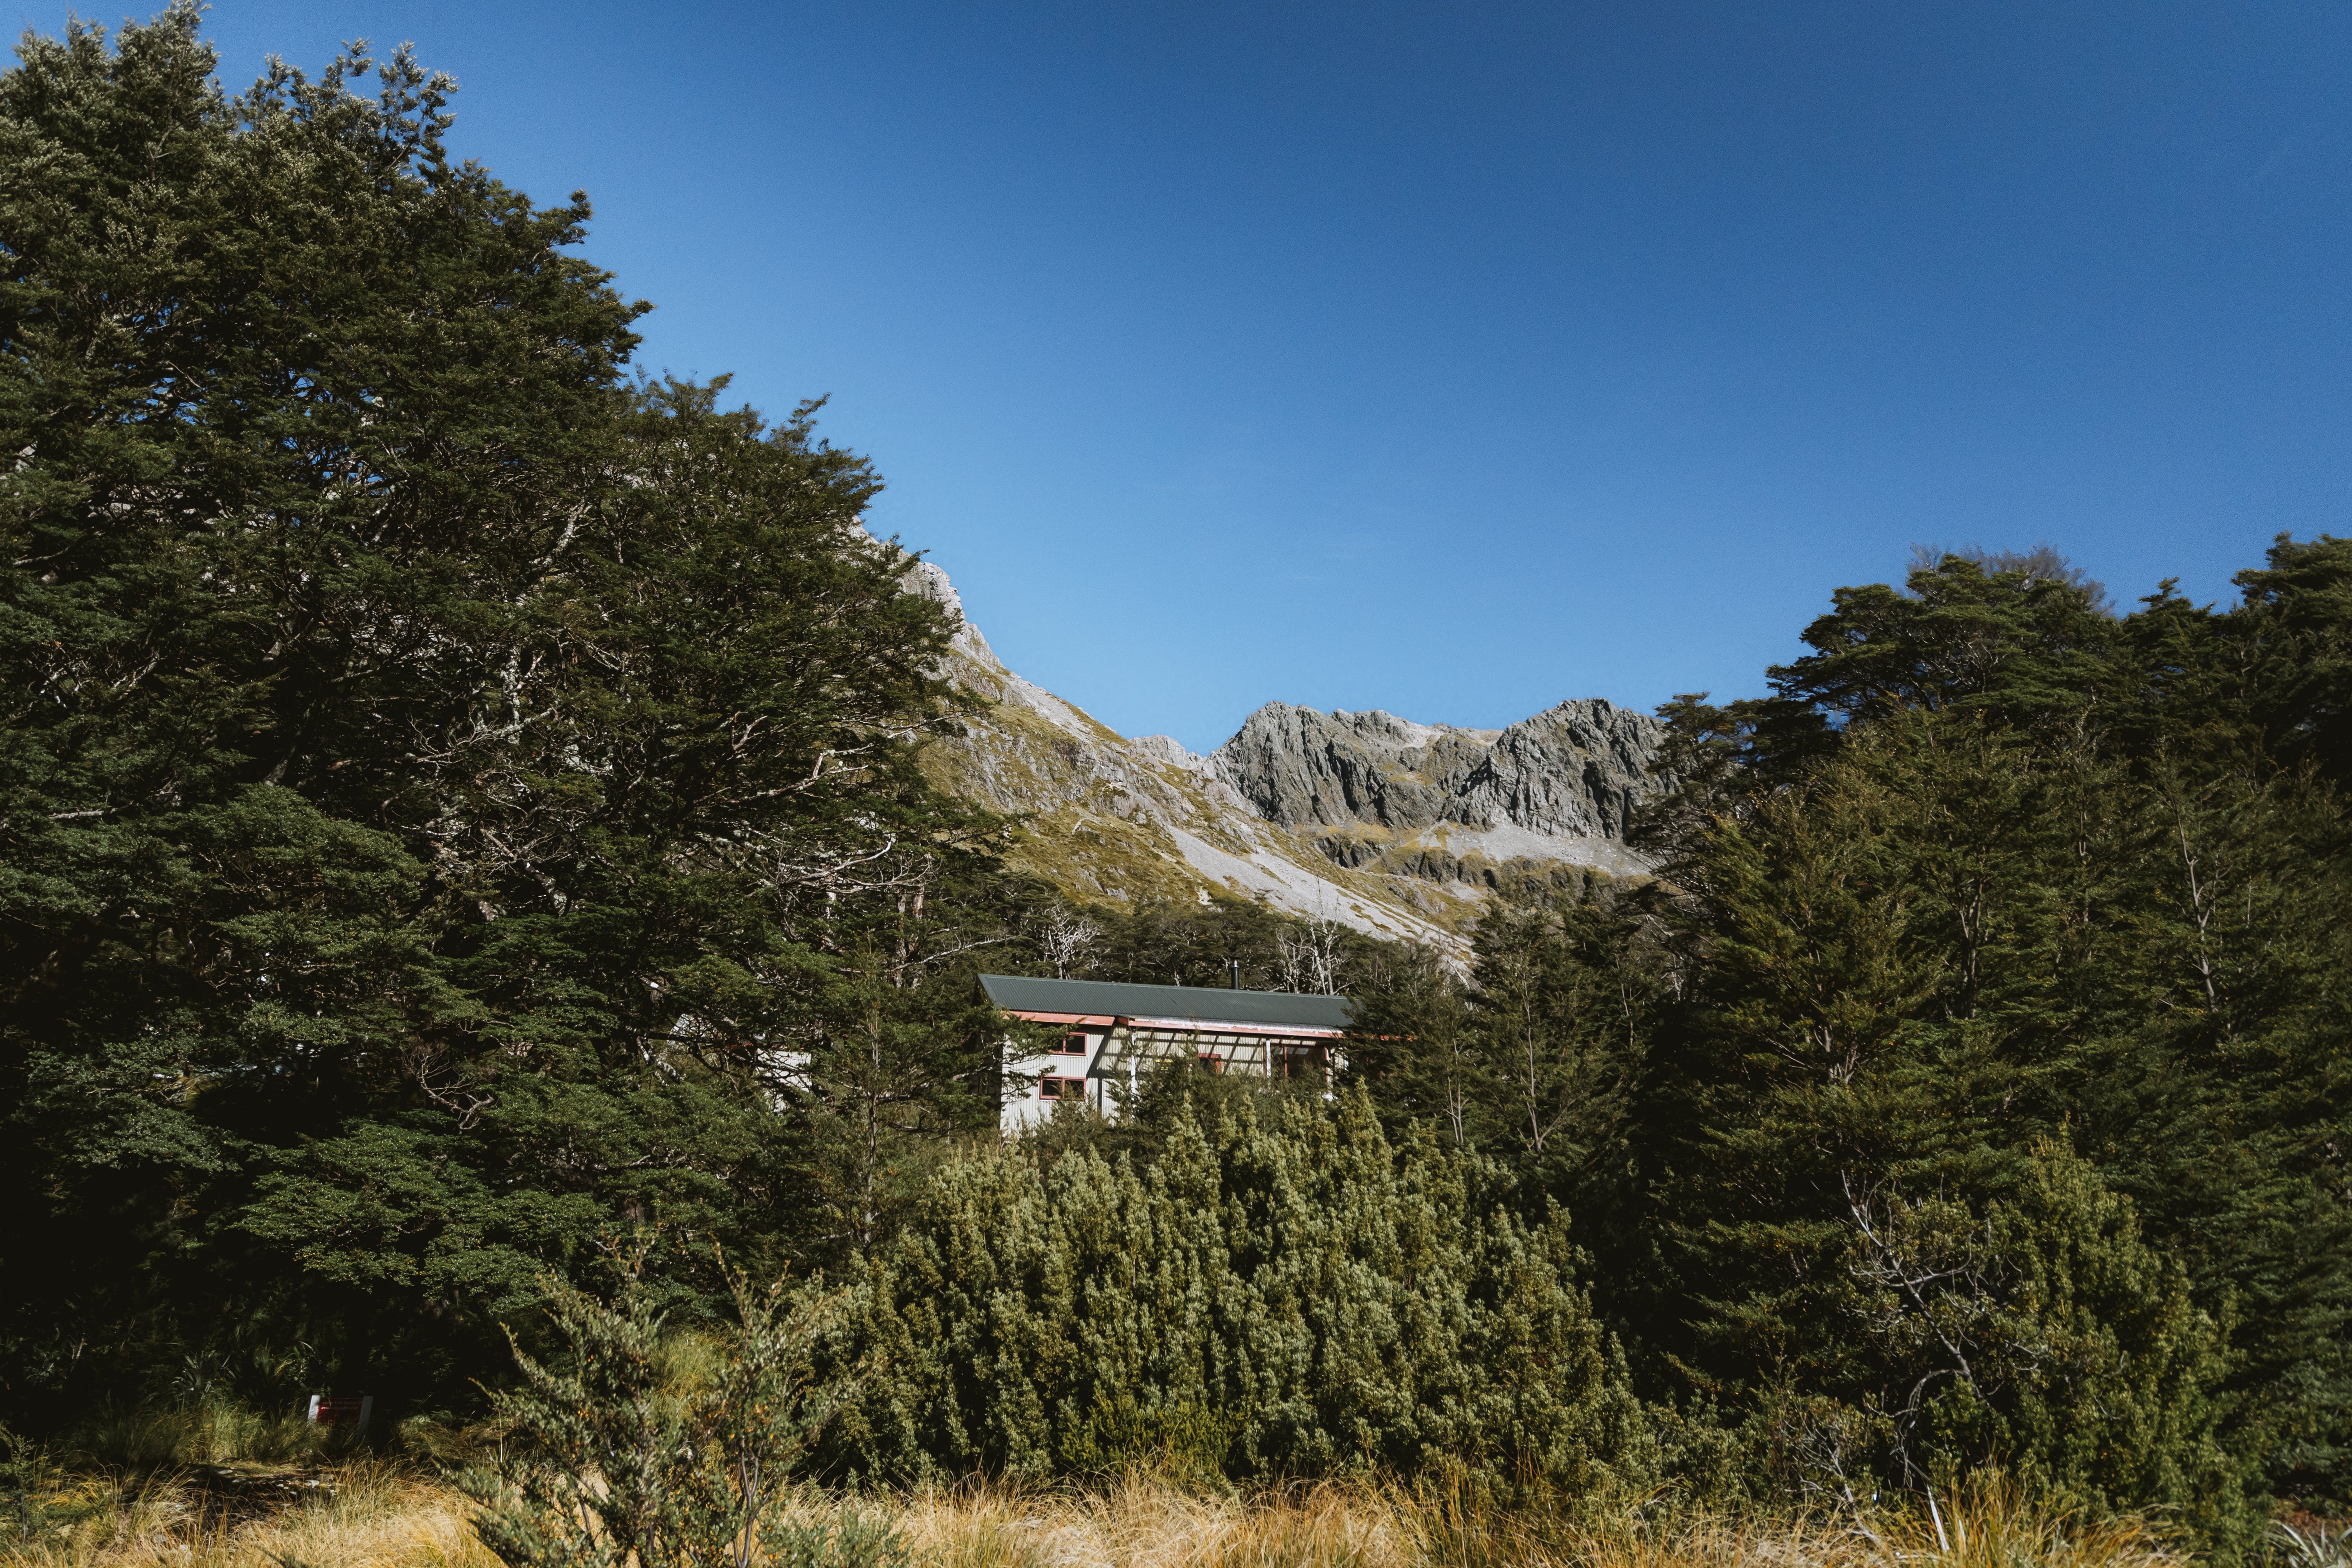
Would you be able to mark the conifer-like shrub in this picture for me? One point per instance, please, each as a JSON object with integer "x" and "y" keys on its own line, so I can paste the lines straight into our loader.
{"x": 2040, "y": 1339}
{"x": 1280, "y": 1292}
{"x": 2095, "y": 1378}
{"x": 628, "y": 1456}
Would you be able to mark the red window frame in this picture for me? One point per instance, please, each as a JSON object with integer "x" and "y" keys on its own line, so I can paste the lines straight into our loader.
{"x": 1053, "y": 1087}
{"x": 1074, "y": 1043}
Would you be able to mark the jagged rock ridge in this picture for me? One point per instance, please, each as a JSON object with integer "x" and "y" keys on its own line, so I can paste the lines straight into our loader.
{"x": 1397, "y": 828}
{"x": 1574, "y": 771}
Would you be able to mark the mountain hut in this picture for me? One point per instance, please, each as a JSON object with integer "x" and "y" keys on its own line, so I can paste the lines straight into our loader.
{"x": 1113, "y": 1032}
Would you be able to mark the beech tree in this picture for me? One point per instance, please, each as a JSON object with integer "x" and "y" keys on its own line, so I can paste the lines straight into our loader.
{"x": 2043, "y": 884}
{"x": 1999, "y": 947}
{"x": 441, "y": 781}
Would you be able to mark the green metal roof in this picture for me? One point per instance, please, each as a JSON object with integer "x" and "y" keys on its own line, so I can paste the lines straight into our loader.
{"x": 1206, "y": 1004}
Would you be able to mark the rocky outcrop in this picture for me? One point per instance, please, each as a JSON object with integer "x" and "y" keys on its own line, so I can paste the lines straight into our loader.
{"x": 1396, "y": 828}
{"x": 1300, "y": 767}
{"x": 1575, "y": 771}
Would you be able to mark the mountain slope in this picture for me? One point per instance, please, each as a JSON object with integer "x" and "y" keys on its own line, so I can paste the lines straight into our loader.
{"x": 1396, "y": 828}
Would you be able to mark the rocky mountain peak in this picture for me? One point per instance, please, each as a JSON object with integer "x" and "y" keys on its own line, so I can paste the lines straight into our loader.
{"x": 1576, "y": 769}
{"x": 1572, "y": 771}
{"x": 1396, "y": 827}
{"x": 1300, "y": 766}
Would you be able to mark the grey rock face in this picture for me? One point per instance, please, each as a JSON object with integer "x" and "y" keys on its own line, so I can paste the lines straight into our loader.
{"x": 1579, "y": 769}
{"x": 1299, "y": 767}
{"x": 1379, "y": 815}
{"x": 1574, "y": 770}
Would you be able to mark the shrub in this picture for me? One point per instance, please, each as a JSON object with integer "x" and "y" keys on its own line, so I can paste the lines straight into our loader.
{"x": 618, "y": 1459}
{"x": 1281, "y": 1293}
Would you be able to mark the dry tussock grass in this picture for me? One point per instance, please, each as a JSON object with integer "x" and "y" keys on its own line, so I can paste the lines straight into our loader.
{"x": 388, "y": 1517}
{"x": 1147, "y": 1522}
{"x": 380, "y": 1516}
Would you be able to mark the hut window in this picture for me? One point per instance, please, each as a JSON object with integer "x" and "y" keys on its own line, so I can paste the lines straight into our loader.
{"x": 1072, "y": 1044}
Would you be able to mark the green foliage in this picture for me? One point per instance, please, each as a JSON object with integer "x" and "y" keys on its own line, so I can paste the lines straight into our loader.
{"x": 2296, "y": 634}
{"x": 2000, "y": 952}
{"x": 25, "y": 1483}
{"x": 616, "y": 1459}
{"x": 1280, "y": 1293}
{"x": 2044, "y": 1338}
{"x": 2013, "y": 642}
{"x": 454, "y": 802}
{"x": 449, "y": 797}
{"x": 1936, "y": 951}
{"x": 1538, "y": 1062}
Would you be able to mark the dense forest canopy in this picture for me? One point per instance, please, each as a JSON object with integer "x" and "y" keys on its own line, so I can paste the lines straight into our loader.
{"x": 458, "y": 808}
{"x": 442, "y": 777}
{"x": 1972, "y": 1085}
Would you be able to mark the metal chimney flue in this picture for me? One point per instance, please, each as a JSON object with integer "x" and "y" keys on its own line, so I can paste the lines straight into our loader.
{"x": 1233, "y": 971}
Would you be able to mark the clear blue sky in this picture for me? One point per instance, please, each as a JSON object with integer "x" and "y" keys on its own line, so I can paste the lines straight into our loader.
{"x": 1458, "y": 359}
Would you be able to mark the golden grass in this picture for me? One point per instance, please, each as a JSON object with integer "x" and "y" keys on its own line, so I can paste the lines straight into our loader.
{"x": 1145, "y": 1521}
{"x": 1150, "y": 1524}
{"x": 385, "y": 1516}
{"x": 379, "y": 1516}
